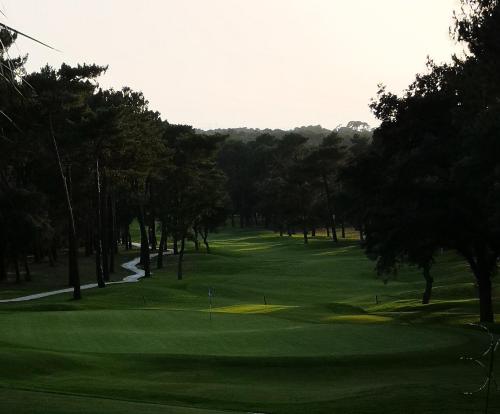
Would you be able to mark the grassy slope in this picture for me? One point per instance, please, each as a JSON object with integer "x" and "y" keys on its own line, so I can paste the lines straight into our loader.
{"x": 322, "y": 344}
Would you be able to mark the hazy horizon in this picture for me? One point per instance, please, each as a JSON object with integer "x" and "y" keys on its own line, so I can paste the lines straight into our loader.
{"x": 230, "y": 63}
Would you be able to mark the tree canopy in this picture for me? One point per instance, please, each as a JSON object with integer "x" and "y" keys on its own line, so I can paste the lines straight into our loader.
{"x": 433, "y": 162}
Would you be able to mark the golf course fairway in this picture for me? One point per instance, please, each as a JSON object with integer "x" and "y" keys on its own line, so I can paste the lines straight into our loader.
{"x": 287, "y": 328}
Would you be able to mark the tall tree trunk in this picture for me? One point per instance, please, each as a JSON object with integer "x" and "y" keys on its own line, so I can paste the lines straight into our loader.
{"x": 429, "y": 280}
{"x": 334, "y": 229}
{"x": 127, "y": 238}
{"x": 313, "y": 232}
{"x": 98, "y": 235}
{"x": 150, "y": 237}
{"x": 74, "y": 275}
{"x": 485, "y": 302}
{"x": 181, "y": 257}
{"x": 328, "y": 231}
{"x": 204, "y": 234}
{"x": 113, "y": 242}
{"x": 98, "y": 262}
{"x": 124, "y": 237}
{"x": 152, "y": 229}
{"x": 27, "y": 273}
{"x": 176, "y": 244}
{"x": 69, "y": 188}
{"x": 165, "y": 245}
{"x": 483, "y": 274}
{"x": 3, "y": 268}
{"x": 306, "y": 240}
{"x": 104, "y": 226}
{"x": 144, "y": 243}
{"x": 196, "y": 242}
{"x": 342, "y": 224}
{"x": 331, "y": 214}
{"x": 162, "y": 245}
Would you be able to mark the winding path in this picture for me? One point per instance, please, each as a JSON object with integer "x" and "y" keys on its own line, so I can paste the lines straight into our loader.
{"x": 131, "y": 266}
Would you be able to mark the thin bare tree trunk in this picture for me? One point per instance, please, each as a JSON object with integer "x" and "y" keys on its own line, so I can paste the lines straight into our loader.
{"x": 176, "y": 244}
{"x": 204, "y": 234}
{"x": 104, "y": 226}
{"x": 331, "y": 213}
{"x": 3, "y": 268}
{"x": 426, "y": 298}
{"x": 152, "y": 232}
{"x": 27, "y": 273}
{"x": 196, "y": 242}
{"x": 162, "y": 246}
{"x": 145, "y": 260}
{"x": 181, "y": 258}
{"x": 112, "y": 234}
{"x": 98, "y": 239}
{"x": 74, "y": 275}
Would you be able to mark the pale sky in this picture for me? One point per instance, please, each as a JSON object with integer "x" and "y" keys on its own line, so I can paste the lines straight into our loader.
{"x": 234, "y": 63}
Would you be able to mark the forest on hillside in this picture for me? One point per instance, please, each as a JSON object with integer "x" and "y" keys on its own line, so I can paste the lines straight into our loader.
{"x": 314, "y": 133}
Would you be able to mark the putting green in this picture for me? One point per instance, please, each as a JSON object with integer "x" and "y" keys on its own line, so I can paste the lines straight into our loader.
{"x": 228, "y": 334}
{"x": 250, "y": 308}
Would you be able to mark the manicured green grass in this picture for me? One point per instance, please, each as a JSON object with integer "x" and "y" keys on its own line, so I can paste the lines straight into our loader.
{"x": 291, "y": 329}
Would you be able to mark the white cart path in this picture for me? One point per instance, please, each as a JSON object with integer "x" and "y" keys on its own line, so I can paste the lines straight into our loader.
{"x": 136, "y": 275}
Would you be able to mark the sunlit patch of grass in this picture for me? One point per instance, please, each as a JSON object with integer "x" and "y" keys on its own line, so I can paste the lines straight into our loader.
{"x": 336, "y": 251}
{"x": 261, "y": 247}
{"x": 251, "y": 308}
{"x": 416, "y": 305}
{"x": 359, "y": 319}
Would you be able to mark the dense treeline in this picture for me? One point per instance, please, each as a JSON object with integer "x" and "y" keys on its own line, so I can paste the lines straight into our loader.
{"x": 78, "y": 164}
{"x": 314, "y": 133}
{"x": 290, "y": 185}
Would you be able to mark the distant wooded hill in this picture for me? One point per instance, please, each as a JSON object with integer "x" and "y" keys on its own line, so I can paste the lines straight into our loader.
{"x": 315, "y": 133}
